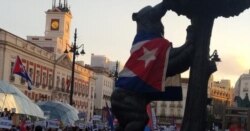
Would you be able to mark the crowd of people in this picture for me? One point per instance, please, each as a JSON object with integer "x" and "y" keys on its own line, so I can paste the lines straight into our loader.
{"x": 10, "y": 121}
{"x": 7, "y": 114}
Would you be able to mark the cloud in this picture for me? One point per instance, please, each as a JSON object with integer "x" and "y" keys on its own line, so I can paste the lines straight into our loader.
{"x": 231, "y": 67}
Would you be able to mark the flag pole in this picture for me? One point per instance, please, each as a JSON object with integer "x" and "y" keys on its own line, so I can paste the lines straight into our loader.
{"x": 5, "y": 94}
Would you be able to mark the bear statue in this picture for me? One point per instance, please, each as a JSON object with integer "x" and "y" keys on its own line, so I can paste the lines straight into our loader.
{"x": 152, "y": 60}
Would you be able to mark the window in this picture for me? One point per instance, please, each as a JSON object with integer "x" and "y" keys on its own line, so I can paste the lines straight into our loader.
{"x": 75, "y": 86}
{"x": 179, "y": 112}
{"x": 78, "y": 87}
{"x": 171, "y": 111}
{"x": 12, "y": 77}
{"x": 38, "y": 78}
{"x": 81, "y": 89}
{"x": 245, "y": 89}
{"x": 172, "y": 104}
{"x": 87, "y": 90}
{"x": 31, "y": 73}
{"x": 68, "y": 83}
{"x": 50, "y": 81}
{"x": 179, "y": 104}
{"x": 163, "y": 112}
{"x": 44, "y": 76}
{"x": 63, "y": 84}
{"x": 57, "y": 81}
{"x": 163, "y": 105}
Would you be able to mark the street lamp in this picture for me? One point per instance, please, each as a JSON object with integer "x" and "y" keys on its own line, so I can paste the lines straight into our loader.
{"x": 116, "y": 71}
{"x": 74, "y": 50}
{"x": 215, "y": 56}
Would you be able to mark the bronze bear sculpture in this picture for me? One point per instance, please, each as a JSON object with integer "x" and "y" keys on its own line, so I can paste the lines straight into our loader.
{"x": 129, "y": 105}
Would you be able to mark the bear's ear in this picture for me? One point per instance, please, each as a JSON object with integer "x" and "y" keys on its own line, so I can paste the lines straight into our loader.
{"x": 134, "y": 16}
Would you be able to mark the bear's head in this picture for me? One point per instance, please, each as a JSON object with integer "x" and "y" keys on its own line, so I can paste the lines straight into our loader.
{"x": 148, "y": 20}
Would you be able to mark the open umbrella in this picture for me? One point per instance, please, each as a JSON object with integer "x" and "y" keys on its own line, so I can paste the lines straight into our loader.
{"x": 60, "y": 111}
{"x": 12, "y": 97}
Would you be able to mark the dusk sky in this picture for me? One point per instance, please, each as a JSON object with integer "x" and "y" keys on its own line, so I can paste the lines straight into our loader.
{"x": 105, "y": 28}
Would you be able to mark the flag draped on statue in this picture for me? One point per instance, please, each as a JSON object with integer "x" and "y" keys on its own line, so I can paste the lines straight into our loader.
{"x": 145, "y": 70}
{"x": 19, "y": 69}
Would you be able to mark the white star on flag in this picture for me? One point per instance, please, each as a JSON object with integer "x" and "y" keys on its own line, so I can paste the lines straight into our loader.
{"x": 23, "y": 69}
{"x": 148, "y": 56}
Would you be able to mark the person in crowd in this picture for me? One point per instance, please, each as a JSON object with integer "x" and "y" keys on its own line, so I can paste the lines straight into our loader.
{"x": 38, "y": 128}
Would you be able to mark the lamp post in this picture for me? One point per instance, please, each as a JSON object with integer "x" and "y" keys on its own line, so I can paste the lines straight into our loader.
{"x": 116, "y": 71}
{"x": 215, "y": 57}
{"x": 74, "y": 50}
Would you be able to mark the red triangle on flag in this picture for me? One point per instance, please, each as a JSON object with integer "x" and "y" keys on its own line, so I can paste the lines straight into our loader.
{"x": 18, "y": 67}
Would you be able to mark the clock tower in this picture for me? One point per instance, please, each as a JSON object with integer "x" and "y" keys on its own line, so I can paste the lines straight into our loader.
{"x": 57, "y": 29}
{"x": 58, "y": 20}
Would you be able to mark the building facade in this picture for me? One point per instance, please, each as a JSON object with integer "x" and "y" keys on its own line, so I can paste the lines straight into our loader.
{"x": 221, "y": 96}
{"x": 221, "y": 93}
{"x": 103, "y": 90}
{"x": 101, "y": 61}
{"x": 106, "y": 73}
{"x": 49, "y": 68}
{"x": 169, "y": 112}
{"x": 242, "y": 86}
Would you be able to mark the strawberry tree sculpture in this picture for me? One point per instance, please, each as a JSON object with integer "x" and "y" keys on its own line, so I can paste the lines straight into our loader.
{"x": 202, "y": 14}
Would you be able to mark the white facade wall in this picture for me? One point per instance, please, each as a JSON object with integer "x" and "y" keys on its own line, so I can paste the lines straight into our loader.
{"x": 99, "y": 61}
{"x": 104, "y": 62}
{"x": 91, "y": 98}
{"x": 103, "y": 90}
{"x": 242, "y": 85}
{"x": 98, "y": 91}
{"x": 171, "y": 109}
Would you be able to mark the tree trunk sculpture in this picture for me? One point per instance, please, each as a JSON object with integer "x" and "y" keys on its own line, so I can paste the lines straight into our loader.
{"x": 202, "y": 14}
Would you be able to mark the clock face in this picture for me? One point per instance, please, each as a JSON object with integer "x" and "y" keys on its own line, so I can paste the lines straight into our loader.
{"x": 54, "y": 24}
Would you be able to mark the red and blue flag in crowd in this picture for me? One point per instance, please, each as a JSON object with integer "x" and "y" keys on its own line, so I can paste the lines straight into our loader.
{"x": 110, "y": 118}
{"x": 149, "y": 126}
{"x": 19, "y": 69}
{"x": 145, "y": 70}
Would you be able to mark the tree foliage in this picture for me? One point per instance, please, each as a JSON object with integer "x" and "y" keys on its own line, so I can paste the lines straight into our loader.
{"x": 213, "y": 8}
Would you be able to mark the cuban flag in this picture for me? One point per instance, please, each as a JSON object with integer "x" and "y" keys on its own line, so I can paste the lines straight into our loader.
{"x": 149, "y": 126}
{"x": 19, "y": 69}
{"x": 145, "y": 70}
{"x": 110, "y": 118}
